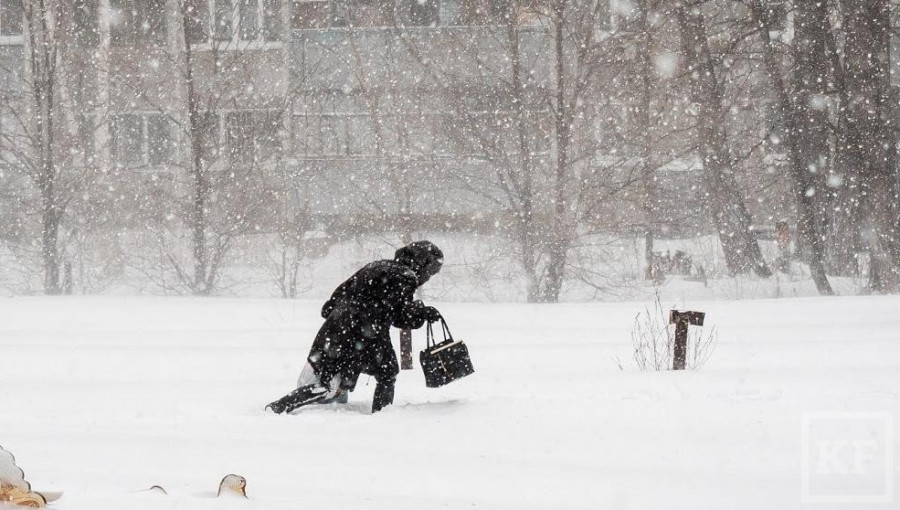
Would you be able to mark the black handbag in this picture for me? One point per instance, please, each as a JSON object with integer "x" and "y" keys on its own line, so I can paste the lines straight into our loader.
{"x": 444, "y": 362}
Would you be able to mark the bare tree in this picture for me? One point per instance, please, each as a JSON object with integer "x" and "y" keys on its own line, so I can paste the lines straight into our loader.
{"x": 801, "y": 127}
{"x": 229, "y": 179}
{"x": 40, "y": 135}
{"x": 555, "y": 99}
{"x": 644, "y": 48}
{"x": 285, "y": 255}
{"x": 868, "y": 196}
{"x": 730, "y": 215}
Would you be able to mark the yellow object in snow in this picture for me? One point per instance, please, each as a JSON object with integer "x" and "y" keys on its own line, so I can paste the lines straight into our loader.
{"x": 14, "y": 489}
{"x": 11, "y": 494}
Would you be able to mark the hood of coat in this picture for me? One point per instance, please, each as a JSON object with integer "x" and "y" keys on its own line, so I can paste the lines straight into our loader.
{"x": 423, "y": 257}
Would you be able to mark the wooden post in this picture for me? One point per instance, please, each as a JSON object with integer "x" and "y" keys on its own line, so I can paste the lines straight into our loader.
{"x": 783, "y": 242}
{"x": 406, "y": 360}
{"x": 682, "y": 320}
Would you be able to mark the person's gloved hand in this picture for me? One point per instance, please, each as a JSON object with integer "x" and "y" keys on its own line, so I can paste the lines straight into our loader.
{"x": 431, "y": 314}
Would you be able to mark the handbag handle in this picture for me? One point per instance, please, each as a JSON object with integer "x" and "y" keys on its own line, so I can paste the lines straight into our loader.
{"x": 447, "y": 335}
{"x": 429, "y": 333}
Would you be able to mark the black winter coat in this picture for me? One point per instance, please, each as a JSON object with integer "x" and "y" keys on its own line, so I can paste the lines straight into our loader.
{"x": 359, "y": 315}
{"x": 381, "y": 293}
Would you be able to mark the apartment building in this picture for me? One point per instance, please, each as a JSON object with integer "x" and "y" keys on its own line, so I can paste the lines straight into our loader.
{"x": 330, "y": 92}
{"x": 367, "y": 109}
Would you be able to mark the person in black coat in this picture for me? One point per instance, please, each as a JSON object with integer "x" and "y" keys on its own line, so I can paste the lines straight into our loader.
{"x": 355, "y": 338}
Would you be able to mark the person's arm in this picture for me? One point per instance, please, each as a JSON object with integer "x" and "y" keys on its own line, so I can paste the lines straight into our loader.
{"x": 412, "y": 313}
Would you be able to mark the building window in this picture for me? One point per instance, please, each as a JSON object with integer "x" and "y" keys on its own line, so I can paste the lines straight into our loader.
{"x": 224, "y": 20}
{"x": 778, "y": 15}
{"x": 142, "y": 140}
{"x": 341, "y": 13}
{"x": 11, "y": 21}
{"x": 196, "y": 21}
{"x": 447, "y": 133}
{"x": 209, "y": 137}
{"x": 895, "y": 44}
{"x": 86, "y": 23}
{"x": 317, "y": 14}
{"x": 161, "y": 136}
{"x": 314, "y": 14}
{"x": 310, "y": 14}
{"x": 246, "y": 20}
{"x": 451, "y": 14}
{"x": 361, "y": 139}
{"x": 603, "y": 21}
{"x": 135, "y": 23}
{"x": 252, "y": 137}
{"x": 271, "y": 20}
{"x": 127, "y": 139}
{"x": 331, "y": 135}
{"x": 320, "y": 135}
{"x": 500, "y": 10}
{"x": 475, "y": 12}
{"x": 417, "y": 12}
{"x": 489, "y": 12}
{"x": 86, "y": 131}
{"x": 359, "y": 13}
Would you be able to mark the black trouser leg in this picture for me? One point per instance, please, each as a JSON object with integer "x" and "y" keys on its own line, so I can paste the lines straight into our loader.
{"x": 300, "y": 397}
{"x": 383, "y": 366}
{"x": 384, "y": 395}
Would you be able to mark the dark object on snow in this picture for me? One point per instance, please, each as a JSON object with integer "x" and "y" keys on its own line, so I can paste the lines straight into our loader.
{"x": 445, "y": 362}
{"x": 660, "y": 265}
{"x": 682, "y": 320}
{"x": 298, "y": 398}
{"x": 355, "y": 338}
{"x": 681, "y": 264}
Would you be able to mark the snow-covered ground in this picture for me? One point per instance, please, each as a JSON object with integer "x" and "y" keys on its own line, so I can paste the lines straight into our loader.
{"x": 103, "y": 397}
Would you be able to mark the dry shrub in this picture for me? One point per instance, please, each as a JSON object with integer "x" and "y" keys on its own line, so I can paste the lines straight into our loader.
{"x": 653, "y": 339}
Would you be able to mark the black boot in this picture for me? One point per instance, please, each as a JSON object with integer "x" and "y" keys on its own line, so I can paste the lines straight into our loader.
{"x": 298, "y": 398}
{"x": 341, "y": 397}
{"x": 384, "y": 396}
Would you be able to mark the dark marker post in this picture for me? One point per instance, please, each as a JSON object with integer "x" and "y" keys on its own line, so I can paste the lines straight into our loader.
{"x": 682, "y": 320}
{"x": 406, "y": 360}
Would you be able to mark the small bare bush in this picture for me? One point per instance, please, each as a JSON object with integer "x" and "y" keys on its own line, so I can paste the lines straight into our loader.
{"x": 653, "y": 339}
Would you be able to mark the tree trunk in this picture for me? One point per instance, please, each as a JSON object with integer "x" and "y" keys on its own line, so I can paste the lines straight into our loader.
{"x": 843, "y": 235}
{"x": 866, "y": 75}
{"x": 199, "y": 180}
{"x": 42, "y": 56}
{"x": 811, "y": 78}
{"x": 648, "y": 174}
{"x": 804, "y": 146}
{"x": 49, "y": 209}
{"x": 525, "y": 221}
{"x": 730, "y": 215}
{"x": 559, "y": 244}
